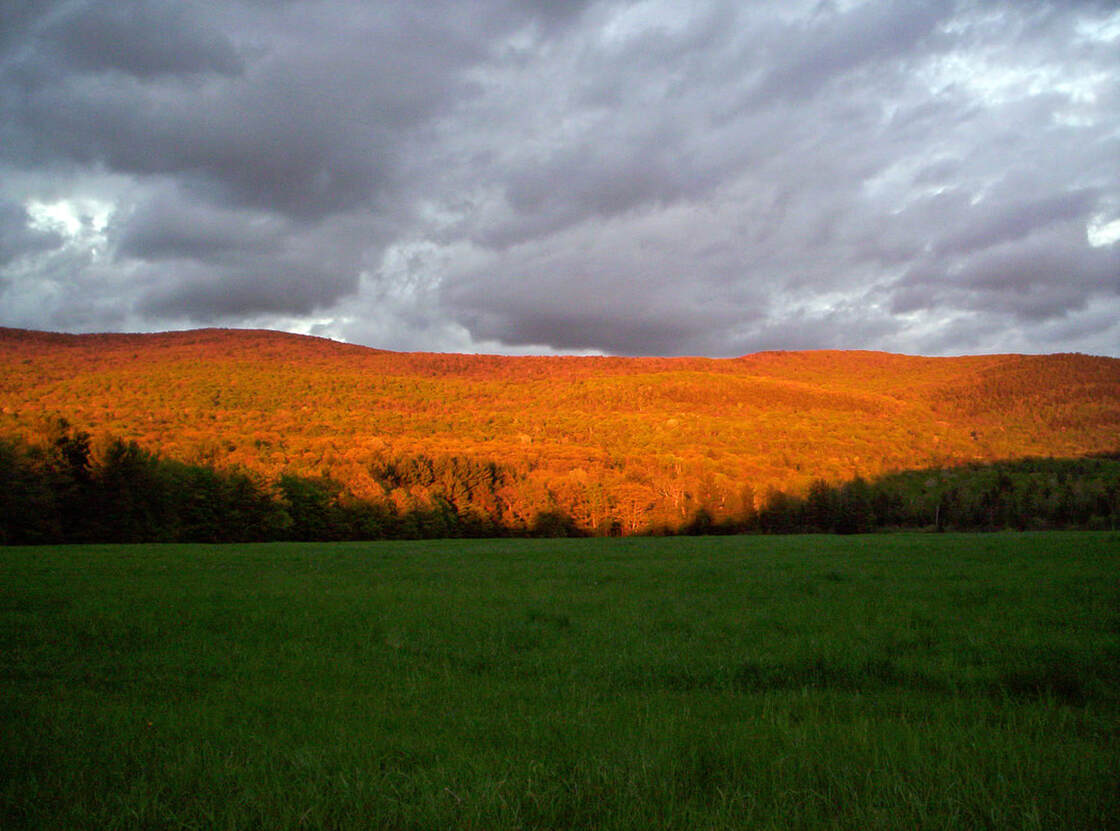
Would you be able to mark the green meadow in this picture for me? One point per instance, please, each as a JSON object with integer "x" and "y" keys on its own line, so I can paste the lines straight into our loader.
{"x": 894, "y": 681}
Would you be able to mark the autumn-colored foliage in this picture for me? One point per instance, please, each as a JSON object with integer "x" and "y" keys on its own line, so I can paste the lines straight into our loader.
{"x": 613, "y": 445}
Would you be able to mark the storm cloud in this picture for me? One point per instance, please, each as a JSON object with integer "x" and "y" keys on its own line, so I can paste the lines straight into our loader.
{"x": 623, "y": 177}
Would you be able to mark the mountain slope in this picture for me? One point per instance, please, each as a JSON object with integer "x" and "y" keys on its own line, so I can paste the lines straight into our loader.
{"x": 637, "y": 442}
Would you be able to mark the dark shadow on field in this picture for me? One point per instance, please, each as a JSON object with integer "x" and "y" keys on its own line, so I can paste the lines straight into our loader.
{"x": 1064, "y": 677}
{"x": 1045, "y": 675}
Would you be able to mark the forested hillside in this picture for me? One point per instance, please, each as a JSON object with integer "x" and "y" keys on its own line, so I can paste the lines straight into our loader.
{"x": 609, "y": 445}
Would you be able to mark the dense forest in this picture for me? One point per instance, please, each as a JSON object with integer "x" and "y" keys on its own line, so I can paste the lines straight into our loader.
{"x": 64, "y": 491}
{"x": 265, "y": 435}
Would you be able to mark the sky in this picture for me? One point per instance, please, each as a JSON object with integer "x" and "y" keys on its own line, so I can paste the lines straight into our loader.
{"x": 540, "y": 177}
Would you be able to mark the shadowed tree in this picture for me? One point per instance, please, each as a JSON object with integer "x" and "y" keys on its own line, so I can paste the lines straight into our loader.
{"x": 132, "y": 495}
{"x": 28, "y": 509}
{"x": 855, "y": 513}
{"x": 821, "y": 507}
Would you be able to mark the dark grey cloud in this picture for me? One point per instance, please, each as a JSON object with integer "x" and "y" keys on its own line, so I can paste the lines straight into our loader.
{"x": 238, "y": 291}
{"x": 638, "y": 178}
{"x": 139, "y": 38}
{"x": 983, "y": 227}
{"x": 304, "y": 108}
{"x": 222, "y": 263}
{"x": 168, "y": 227}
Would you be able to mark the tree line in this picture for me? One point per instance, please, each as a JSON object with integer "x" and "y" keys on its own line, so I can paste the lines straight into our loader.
{"x": 65, "y": 489}
{"x": 1025, "y": 495}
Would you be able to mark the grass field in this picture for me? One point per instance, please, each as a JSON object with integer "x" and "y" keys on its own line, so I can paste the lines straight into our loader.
{"x": 894, "y": 681}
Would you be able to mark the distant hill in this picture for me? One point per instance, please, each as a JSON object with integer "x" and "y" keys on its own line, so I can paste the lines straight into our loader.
{"x": 626, "y": 443}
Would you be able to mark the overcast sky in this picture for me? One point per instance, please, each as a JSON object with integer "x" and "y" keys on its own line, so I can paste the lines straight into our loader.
{"x": 709, "y": 178}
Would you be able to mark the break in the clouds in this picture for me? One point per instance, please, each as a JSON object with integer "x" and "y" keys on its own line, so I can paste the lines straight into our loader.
{"x": 625, "y": 177}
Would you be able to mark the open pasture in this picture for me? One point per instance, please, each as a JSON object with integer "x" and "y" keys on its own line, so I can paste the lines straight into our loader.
{"x": 893, "y": 681}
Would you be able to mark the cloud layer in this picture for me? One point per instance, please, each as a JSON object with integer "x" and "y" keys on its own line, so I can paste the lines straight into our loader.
{"x": 626, "y": 177}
